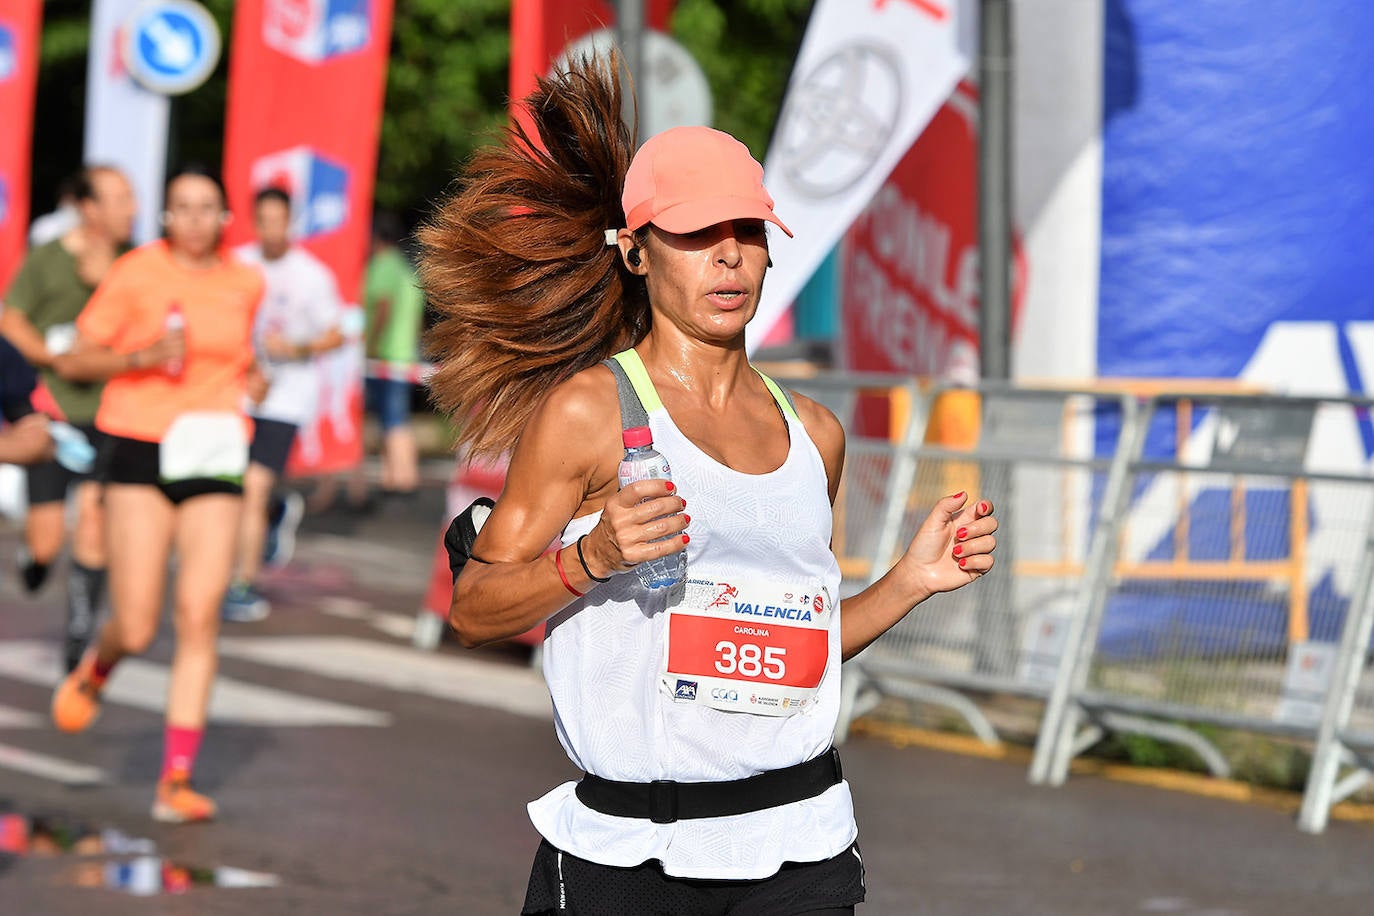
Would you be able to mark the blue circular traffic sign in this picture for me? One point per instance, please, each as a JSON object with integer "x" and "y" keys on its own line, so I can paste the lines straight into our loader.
{"x": 171, "y": 46}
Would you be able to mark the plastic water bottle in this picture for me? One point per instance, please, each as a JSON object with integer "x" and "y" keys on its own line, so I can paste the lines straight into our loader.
{"x": 74, "y": 450}
{"x": 175, "y": 321}
{"x": 643, "y": 462}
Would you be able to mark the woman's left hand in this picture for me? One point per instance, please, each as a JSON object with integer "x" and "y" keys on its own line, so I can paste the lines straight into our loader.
{"x": 953, "y": 546}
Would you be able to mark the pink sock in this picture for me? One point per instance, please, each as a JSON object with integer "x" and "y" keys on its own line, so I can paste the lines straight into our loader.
{"x": 179, "y": 749}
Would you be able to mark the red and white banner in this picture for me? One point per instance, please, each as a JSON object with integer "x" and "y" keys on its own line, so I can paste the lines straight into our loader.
{"x": 19, "y": 34}
{"x": 910, "y": 300}
{"x": 869, "y": 77}
{"x": 307, "y": 80}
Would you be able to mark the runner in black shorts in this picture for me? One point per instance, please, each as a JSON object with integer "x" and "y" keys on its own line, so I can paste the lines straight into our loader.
{"x": 593, "y": 298}
{"x": 170, "y": 330}
{"x": 41, "y": 307}
{"x": 299, "y": 320}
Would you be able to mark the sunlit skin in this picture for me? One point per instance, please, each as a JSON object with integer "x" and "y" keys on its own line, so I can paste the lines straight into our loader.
{"x": 272, "y": 222}
{"x": 111, "y": 211}
{"x": 195, "y": 216}
{"x": 689, "y": 278}
{"x": 704, "y": 288}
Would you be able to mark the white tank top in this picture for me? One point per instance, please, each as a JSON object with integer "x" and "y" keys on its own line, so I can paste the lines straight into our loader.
{"x": 604, "y": 656}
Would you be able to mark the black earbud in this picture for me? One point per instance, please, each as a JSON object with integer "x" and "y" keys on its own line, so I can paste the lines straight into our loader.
{"x": 633, "y": 257}
{"x": 770, "y": 260}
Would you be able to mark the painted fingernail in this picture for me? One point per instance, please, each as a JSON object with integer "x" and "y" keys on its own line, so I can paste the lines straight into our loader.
{"x": 684, "y": 502}
{"x": 958, "y": 549}
{"x": 959, "y": 495}
{"x": 686, "y": 539}
{"x": 671, "y": 488}
{"x": 687, "y": 518}
{"x": 983, "y": 507}
{"x": 961, "y": 533}
{"x": 963, "y": 562}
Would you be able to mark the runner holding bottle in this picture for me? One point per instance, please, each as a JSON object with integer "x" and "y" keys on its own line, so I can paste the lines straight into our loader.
{"x": 173, "y": 461}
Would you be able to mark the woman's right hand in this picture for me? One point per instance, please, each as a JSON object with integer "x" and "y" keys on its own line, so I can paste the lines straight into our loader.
{"x": 170, "y": 348}
{"x": 631, "y": 524}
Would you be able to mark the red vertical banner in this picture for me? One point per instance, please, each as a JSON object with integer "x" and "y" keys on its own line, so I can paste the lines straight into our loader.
{"x": 540, "y": 30}
{"x": 307, "y": 79}
{"x": 19, "y": 37}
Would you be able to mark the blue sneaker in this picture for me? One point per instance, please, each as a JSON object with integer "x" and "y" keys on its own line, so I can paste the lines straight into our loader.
{"x": 244, "y": 604}
{"x": 282, "y": 522}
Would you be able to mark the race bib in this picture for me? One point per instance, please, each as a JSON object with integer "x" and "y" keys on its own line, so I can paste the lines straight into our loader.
{"x": 758, "y": 646}
{"x": 204, "y": 444}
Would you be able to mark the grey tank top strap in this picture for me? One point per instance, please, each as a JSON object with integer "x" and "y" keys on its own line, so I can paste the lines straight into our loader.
{"x": 632, "y": 412}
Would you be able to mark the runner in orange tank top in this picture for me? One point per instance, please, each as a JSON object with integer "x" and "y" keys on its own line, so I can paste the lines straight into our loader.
{"x": 169, "y": 328}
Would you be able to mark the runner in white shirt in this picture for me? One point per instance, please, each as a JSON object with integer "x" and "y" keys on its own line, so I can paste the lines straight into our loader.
{"x": 298, "y": 321}
{"x": 702, "y": 714}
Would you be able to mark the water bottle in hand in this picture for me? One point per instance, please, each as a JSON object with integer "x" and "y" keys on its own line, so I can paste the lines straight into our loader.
{"x": 643, "y": 462}
{"x": 74, "y": 450}
{"x": 175, "y": 321}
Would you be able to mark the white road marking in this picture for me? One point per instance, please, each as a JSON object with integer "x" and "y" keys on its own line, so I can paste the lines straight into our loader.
{"x": 10, "y": 717}
{"x": 398, "y": 626}
{"x": 143, "y": 685}
{"x": 465, "y": 680}
{"x": 47, "y": 767}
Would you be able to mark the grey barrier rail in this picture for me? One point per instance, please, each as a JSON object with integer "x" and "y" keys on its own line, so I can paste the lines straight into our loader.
{"x": 880, "y": 413}
{"x": 1227, "y": 584}
{"x": 1033, "y": 452}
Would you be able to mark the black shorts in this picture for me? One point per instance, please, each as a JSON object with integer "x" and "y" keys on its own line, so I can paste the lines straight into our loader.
{"x": 564, "y": 884}
{"x": 271, "y": 446}
{"x": 49, "y": 482}
{"x": 134, "y": 461}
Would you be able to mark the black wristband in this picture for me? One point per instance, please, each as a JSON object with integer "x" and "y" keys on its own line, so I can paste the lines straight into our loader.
{"x": 583, "y": 560}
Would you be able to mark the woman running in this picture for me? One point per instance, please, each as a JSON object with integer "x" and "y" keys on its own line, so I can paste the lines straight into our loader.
{"x": 169, "y": 327}
{"x": 702, "y": 713}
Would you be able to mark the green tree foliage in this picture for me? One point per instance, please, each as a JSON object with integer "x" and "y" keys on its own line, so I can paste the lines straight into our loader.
{"x": 746, "y": 49}
{"x": 446, "y": 86}
{"x": 445, "y": 95}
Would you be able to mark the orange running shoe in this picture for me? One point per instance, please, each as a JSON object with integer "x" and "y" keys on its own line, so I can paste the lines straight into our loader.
{"x": 178, "y": 803}
{"x": 76, "y": 702}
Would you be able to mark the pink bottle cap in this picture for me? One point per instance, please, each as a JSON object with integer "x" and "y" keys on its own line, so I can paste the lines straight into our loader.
{"x": 637, "y": 436}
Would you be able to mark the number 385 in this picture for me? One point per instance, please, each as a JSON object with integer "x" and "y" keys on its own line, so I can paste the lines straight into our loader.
{"x": 751, "y": 660}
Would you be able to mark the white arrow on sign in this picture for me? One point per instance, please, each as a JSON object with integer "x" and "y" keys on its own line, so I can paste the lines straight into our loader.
{"x": 175, "y": 49}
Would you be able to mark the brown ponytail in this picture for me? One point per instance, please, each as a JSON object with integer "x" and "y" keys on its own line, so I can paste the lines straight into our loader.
{"x": 517, "y": 265}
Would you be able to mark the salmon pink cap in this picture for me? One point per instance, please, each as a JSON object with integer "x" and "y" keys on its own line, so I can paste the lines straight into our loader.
{"x": 689, "y": 178}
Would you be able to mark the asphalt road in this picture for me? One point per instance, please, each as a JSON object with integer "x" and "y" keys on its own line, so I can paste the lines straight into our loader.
{"x": 370, "y": 777}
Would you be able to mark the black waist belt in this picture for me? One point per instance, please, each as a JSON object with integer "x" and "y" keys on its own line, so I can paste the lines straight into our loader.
{"x": 664, "y": 801}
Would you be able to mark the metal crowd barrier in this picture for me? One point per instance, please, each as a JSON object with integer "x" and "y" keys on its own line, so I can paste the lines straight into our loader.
{"x": 878, "y": 412}
{"x": 1227, "y": 584}
{"x": 1033, "y": 452}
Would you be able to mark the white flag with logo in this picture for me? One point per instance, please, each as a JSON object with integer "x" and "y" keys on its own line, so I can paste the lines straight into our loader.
{"x": 126, "y": 125}
{"x": 869, "y": 77}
